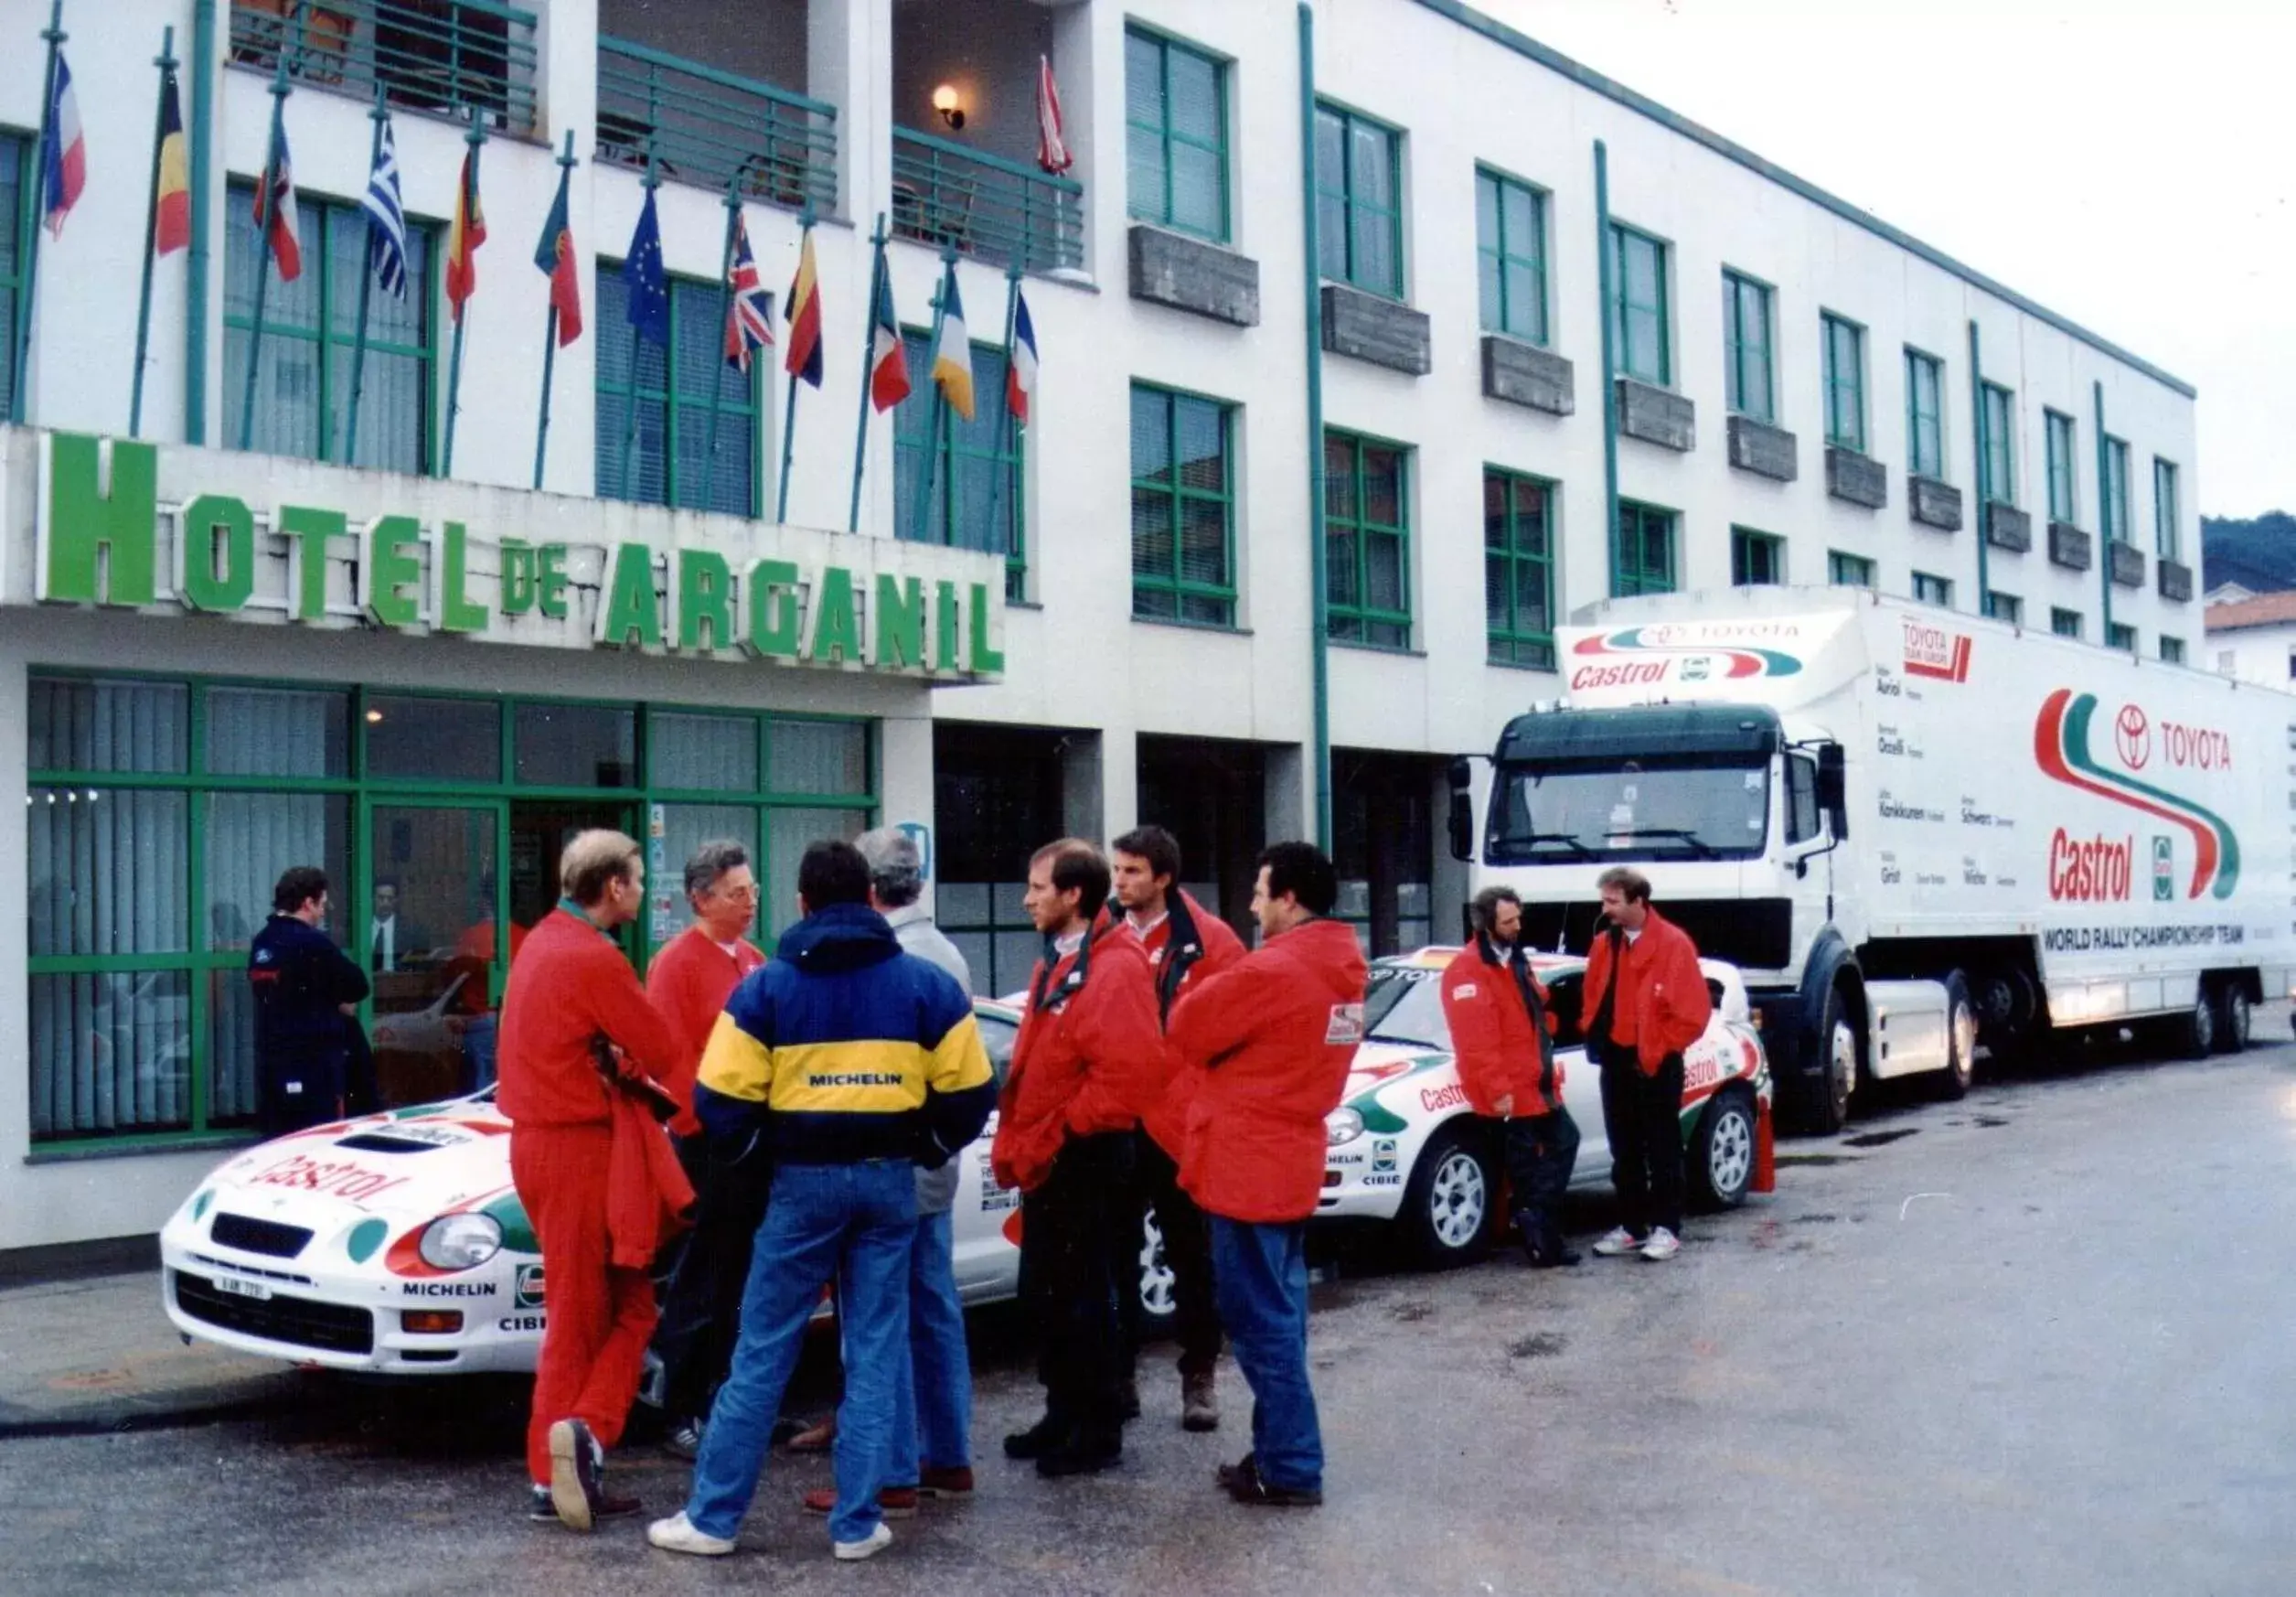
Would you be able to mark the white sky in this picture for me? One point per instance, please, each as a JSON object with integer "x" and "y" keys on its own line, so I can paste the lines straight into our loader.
{"x": 2128, "y": 164}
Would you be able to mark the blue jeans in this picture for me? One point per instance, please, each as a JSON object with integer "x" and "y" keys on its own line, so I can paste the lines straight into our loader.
{"x": 1260, "y": 1273}
{"x": 855, "y": 1223}
{"x": 932, "y": 1393}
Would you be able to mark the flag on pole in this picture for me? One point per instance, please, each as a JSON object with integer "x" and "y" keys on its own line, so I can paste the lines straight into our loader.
{"x": 749, "y": 319}
{"x": 171, "y": 229}
{"x": 888, "y": 363}
{"x": 463, "y": 239}
{"x": 275, "y": 216}
{"x": 386, "y": 219}
{"x": 1052, "y": 149}
{"x": 953, "y": 356}
{"x": 554, "y": 257}
{"x": 803, "y": 356}
{"x": 1021, "y": 361}
{"x": 63, "y": 153}
{"x": 643, "y": 276}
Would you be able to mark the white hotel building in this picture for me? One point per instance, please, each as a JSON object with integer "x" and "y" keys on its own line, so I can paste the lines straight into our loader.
{"x": 1374, "y": 287}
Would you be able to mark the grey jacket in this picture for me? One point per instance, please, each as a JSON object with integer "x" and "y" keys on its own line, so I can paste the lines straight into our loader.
{"x": 914, "y": 930}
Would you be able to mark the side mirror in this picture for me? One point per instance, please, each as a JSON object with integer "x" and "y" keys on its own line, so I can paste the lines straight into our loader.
{"x": 1460, "y": 823}
{"x": 1834, "y": 786}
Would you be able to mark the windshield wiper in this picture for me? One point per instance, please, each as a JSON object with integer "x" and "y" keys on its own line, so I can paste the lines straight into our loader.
{"x": 1533, "y": 839}
{"x": 1705, "y": 851}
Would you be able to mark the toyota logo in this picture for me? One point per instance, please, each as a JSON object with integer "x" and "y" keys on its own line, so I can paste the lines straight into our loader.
{"x": 2132, "y": 735}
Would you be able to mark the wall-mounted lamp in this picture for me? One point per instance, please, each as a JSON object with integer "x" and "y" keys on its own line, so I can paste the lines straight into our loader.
{"x": 945, "y": 101}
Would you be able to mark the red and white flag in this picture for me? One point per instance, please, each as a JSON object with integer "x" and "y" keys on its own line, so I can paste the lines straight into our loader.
{"x": 1052, "y": 149}
{"x": 275, "y": 216}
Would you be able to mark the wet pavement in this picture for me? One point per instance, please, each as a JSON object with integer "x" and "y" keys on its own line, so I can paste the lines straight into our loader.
{"x": 2032, "y": 1343}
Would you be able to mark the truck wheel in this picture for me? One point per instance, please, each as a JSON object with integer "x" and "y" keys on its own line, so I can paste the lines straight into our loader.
{"x": 1721, "y": 1157}
{"x": 2234, "y": 1014}
{"x": 1960, "y": 1040}
{"x": 1451, "y": 1205}
{"x": 2193, "y": 1032}
{"x": 1827, "y": 1096}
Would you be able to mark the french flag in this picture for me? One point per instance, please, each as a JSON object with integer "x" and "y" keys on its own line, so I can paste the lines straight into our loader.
{"x": 1021, "y": 363}
{"x": 63, "y": 153}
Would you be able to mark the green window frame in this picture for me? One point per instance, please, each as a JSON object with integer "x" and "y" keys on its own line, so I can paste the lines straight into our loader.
{"x": 176, "y": 949}
{"x": 311, "y": 331}
{"x": 1183, "y": 506}
{"x": 1845, "y": 382}
{"x": 1757, "y": 559}
{"x": 671, "y": 459}
{"x": 1643, "y": 550}
{"x": 1925, "y": 415}
{"x": 1641, "y": 341}
{"x": 969, "y": 457}
{"x": 1176, "y": 135}
{"x": 1519, "y": 547}
{"x": 1844, "y": 570}
{"x": 1510, "y": 255}
{"x": 2166, "y": 533}
{"x": 2000, "y": 422}
{"x": 2066, "y": 623}
{"x": 2009, "y": 607}
{"x": 1746, "y": 347}
{"x": 2116, "y": 527}
{"x": 2120, "y": 635}
{"x": 2060, "y": 439}
{"x": 17, "y": 190}
{"x": 2171, "y": 649}
{"x": 1367, "y": 540}
{"x": 1929, "y": 589}
{"x": 1359, "y": 200}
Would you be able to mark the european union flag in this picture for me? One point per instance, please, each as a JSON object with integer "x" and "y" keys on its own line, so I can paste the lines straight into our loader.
{"x": 642, "y": 275}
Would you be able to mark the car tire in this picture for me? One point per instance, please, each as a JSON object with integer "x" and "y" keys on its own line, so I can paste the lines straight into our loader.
{"x": 1721, "y": 1152}
{"x": 1451, "y": 1208}
{"x": 1952, "y": 1083}
{"x": 1159, "y": 1286}
{"x": 2235, "y": 1016}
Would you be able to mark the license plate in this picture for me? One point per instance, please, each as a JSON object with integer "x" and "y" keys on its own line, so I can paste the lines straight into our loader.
{"x": 241, "y": 1289}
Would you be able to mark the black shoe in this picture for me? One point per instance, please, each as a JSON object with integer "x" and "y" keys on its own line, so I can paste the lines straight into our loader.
{"x": 1083, "y": 1454}
{"x": 1543, "y": 1244}
{"x": 577, "y": 1471}
{"x": 541, "y": 1510}
{"x": 1261, "y": 1494}
{"x": 1044, "y": 1437}
{"x": 1128, "y": 1399}
{"x": 1246, "y": 1470}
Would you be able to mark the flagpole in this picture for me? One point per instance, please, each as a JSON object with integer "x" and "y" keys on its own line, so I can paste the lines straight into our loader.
{"x": 166, "y": 63}
{"x": 629, "y": 444}
{"x": 789, "y": 405}
{"x": 474, "y": 138}
{"x": 21, "y": 356}
{"x": 550, "y": 336}
{"x": 933, "y": 429}
{"x": 869, "y": 367}
{"x": 725, "y": 312}
{"x": 264, "y": 260}
{"x": 366, "y": 289}
{"x": 1004, "y": 401}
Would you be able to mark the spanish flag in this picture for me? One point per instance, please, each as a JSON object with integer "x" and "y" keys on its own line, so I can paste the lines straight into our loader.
{"x": 803, "y": 356}
{"x": 171, "y": 205}
{"x": 953, "y": 355}
{"x": 463, "y": 237}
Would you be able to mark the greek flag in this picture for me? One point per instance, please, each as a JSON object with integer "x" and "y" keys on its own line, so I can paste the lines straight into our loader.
{"x": 385, "y": 219}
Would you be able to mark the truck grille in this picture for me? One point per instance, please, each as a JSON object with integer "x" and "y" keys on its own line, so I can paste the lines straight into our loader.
{"x": 299, "y": 1322}
{"x": 249, "y": 1234}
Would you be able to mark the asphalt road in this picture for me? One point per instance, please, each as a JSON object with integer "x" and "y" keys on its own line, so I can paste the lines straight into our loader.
{"x": 2036, "y": 1343}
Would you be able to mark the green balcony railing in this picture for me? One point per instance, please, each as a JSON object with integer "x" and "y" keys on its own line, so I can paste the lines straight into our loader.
{"x": 428, "y": 55}
{"x": 997, "y": 210}
{"x": 709, "y": 127}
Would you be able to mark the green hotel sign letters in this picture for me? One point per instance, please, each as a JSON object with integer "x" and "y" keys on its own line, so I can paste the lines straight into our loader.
{"x": 99, "y": 547}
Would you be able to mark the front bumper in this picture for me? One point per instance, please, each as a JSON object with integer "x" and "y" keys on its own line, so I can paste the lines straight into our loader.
{"x": 1363, "y": 1180}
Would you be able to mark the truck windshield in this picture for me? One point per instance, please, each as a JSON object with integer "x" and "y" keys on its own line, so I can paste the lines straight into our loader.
{"x": 1649, "y": 810}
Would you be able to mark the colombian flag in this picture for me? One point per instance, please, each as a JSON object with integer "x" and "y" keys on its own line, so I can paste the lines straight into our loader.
{"x": 463, "y": 237}
{"x": 804, "y": 358}
{"x": 172, "y": 209}
{"x": 953, "y": 356}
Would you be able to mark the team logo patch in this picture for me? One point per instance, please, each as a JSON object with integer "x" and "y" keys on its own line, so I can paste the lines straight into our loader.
{"x": 1464, "y": 991}
{"x": 1346, "y": 1026}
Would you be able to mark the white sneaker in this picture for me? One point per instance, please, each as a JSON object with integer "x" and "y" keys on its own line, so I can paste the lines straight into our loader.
{"x": 1662, "y": 1245}
{"x": 1619, "y": 1240}
{"x": 869, "y": 1546}
{"x": 677, "y": 1534}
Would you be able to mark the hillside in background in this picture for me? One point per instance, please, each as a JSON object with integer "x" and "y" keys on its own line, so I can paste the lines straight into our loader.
{"x": 2257, "y": 552}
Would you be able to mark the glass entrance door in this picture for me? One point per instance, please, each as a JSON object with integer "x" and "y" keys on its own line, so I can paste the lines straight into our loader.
{"x": 429, "y": 942}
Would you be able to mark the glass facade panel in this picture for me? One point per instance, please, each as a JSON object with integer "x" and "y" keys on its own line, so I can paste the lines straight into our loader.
{"x": 715, "y": 754}
{"x": 818, "y": 757}
{"x": 576, "y": 745}
{"x": 445, "y": 740}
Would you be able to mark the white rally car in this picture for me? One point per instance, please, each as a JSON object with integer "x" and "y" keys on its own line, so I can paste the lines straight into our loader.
{"x": 394, "y": 1244}
{"x": 1404, "y": 1147}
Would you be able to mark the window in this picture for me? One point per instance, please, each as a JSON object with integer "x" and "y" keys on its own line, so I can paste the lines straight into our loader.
{"x": 1183, "y": 508}
{"x": 2005, "y": 608}
{"x": 2116, "y": 527}
{"x": 2065, "y": 623}
{"x": 1367, "y": 541}
{"x": 1746, "y": 348}
{"x": 2165, "y": 540}
{"x": 977, "y": 484}
{"x": 1925, "y": 415}
{"x": 2064, "y": 504}
{"x": 1176, "y": 135}
{"x": 16, "y": 179}
{"x": 1932, "y": 590}
{"x": 2228, "y": 662}
{"x": 310, "y": 331}
{"x": 1801, "y": 798}
{"x": 1757, "y": 559}
{"x": 1358, "y": 201}
{"x": 1519, "y": 568}
{"x": 2122, "y": 636}
{"x": 670, "y": 463}
{"x": 2001, "y": 439}
{"x": 1510, "y": 255}
{"x": 1645, "y": 551}
{"x": 1846, "y": 383}
{"x": 2171, "y": 649}
{"x": 1638, "y": 306}
{"x": 1848, "y": 570}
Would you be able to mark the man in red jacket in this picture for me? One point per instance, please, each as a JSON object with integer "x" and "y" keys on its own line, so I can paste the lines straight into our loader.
{"x": 1274, "y": 1038}
{"x": 1088, "y": 1061}
{"x": 1497, "y": 1011}
{"x": 571, "y": 990}
{"x": 1186, "y": 943}
{"x": 1647, "y": 1001}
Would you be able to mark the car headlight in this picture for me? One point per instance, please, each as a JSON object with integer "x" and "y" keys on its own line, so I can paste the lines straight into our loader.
{"x": 459, "y": 1241}
{"x": 1341, "y": 1125}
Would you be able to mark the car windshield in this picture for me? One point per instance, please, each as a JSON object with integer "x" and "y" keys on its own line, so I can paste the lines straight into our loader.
{"x": 1649, "y": 810}
{"x": 1405, "y": 1005}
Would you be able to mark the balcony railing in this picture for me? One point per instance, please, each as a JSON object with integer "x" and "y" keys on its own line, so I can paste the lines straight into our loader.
{"x": 430, "y": 55}
{"x": 706, "y": 127}
{"x": 997, "y": 210}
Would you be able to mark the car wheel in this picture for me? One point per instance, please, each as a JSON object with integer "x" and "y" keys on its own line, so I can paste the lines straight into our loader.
{"x": 1961, "y": 1039}
{"x": 1825, "y": 1098}
{"x": 1722, "y": 1150}
{"x": 2193, "y": 1032}
{"x": 1159, "y": 1299}
{"x": 2234, "y": 1015}
{"x": 1452, "y": 1203}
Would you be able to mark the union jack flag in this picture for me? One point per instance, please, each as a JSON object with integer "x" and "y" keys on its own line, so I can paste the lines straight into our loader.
{"x": 749, "y": 319}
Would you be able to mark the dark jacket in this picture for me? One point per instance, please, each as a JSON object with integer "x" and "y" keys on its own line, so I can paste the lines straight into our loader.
{"x": 301, "y": 981}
